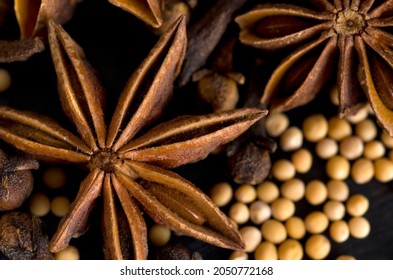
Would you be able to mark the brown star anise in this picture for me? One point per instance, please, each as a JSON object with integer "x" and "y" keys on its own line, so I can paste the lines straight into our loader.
{"x": 125, "y": 169}
{"x": 354, "y": 32}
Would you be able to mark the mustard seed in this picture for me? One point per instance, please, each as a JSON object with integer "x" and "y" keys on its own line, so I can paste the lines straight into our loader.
{"x": 266, "y": 251}
{"x": 251, "y": 236}
{"x": 339, "y": 128}
{"x": 259, "y": 212}
{"x": 383, "y": 168}
{"x": 302, "y": 160}
{"x": 54, "y": 177}
{"x": 374, "y": 150}
{"x": 221, "y": 193}
{"x": 293, "y": 189}
{"x": 346, "y": 258}
{"x": 60, "y": 205}
{"x": 317, "y": 247}
{"x": 290, "y": 249}
{"x": 245, "y": 193}
{"x": 366, "y": 130}
{"x": 239, "y": 213}
{"x": 39, "y": 204}
{"x": 362, "y": 170}
{"x": 316, "y": 192}
{"x": 238, "y": 256}
{"x": 316, "y": 222}
{"x": 5, "y": 80}
{"x": 273, "y": 231}
{"x": 326, "y": 148}
{"x": 339, "y": 231}
{"x": 315, "y": 127}
{"x": 276, "y": 124}
{"x": 282, "y": 208}
{"x": 333, "y": 95}
{"x": 351, "y": 147}
{"x": 283, "y": 170}
{"x": 386, "y": 139}
{"x": 359, "y": 227}
{"x": 295, "y": 227}
{"x": 359, "y": 116}
{"x": 337, "y": 190}
{"x": 291, "y": 139}
{"x": 338, "y": 168}
{"x": 68, "y": 253}
{"x": 159, "y": 235}
{"x": 334, "y": 210}
{"x": 267, "y": 191}
{"x": 357, "y": 205}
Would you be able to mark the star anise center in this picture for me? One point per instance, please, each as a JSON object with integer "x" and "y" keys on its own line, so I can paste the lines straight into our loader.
{"x": 349, "y": 22}
{"x": 104, "y": 159}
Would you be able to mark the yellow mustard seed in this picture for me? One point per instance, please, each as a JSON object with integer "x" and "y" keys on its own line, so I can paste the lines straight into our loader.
{"x": 366, "y": 130}
{"x": 291, "y": 139}
{"x": 273, "y": 231}
{"x": 259, "y": 212}
{"x": 282, "y": 208}
{"x": 239, "y": 213}
{"x": 39, "y": 204}
{"x": 302, "y": 160}
{"x": 339, "y": 128}
{"x": 276, "y": 124}
{"x": 315, "y": 127}
{"x": 337, "y": 190}
{"x": 266, "y": 251}
{"x": 267, "y": 191}
{"x": 326, "y": 148}
{"x": 54, "y": 177}
{"x": 317, "y": 247}
{"x": 316, "y": 192}
{"x": 221, "y": 193}
{"x": 68, "y": 253}
{"x": 283, "y": 170}
{"x": 359, "y": 116}
{"x": 295, "y": 227}
{"x": 5, "y": 80}
{"x": 293, "y": 189}
{"x": 357, "y": 205}
{"x": 334, "y": 210}
{"x": 60, "y": 205}
{"x": 290, "y": 249}
{"x": 246, "y": 193}
{"x": 251, "y": 236}
{"x": 316, "y": 222}
{"x": 339, "y": 231}
{"x": 159, "y": 235}
{"x": 338, "y": 168}
{"x": 383, "y": 170}
{"x": 238, "y": 256}
{"x": 351, "y": 147}
{"x": 359, "y": 227}
{"x": 386, "y": 139}
{"x": 374, "y": 150}
{"x": 346, "y": 258}
{"x": 362, "y": 171}
{"x": 333, "y": 95}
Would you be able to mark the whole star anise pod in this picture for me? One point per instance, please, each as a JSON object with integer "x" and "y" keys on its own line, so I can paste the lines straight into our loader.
{"x": 350, "y": 37}
{"x": 119, "y": 160}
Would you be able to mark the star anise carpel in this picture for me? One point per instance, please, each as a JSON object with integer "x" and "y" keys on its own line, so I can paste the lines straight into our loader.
{"x": 352, "y": 38}
{"x": 129, "y": 170}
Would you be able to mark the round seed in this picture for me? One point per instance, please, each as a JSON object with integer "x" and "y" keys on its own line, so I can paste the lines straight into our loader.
{"x": 267, "y": 191}
{"x": 326, "y": 148}
{"x": 54, "y": 177}
{"x": 359, "y": 227}
{"x": 282, "y": 208}
{"x": 266, "y": 251}
{"x": 221, "y": 194}
{"x": 295, "y": 227}
{"x": 383, "y": 168}
{"x": 337, "y": 190}
{"x": 339, "y": 231}
{"x": 159, "y": 235}
{"x": 366, "y": 130}
{"x": 246, "y": 193}
{"x": 317, "y": 247}
{"x": 359, "y": 116}
{"x": 302, "y": 160}
{"x": 374, "y": 149}
{"x": 68, "y": 253}
{"x": 39, "y": 204}
{"x": 338, "y": 168}
{"x": 315, "y": 127}
{"x": 5, "y": 80}
{"x": 290, "y": 250}
{"x": 283, "y": 170}
{"x": 334, "y": 210}
{"x": 351, "y": 147}
{"x": 251, "y": 237}
{"x": 316, "y": 192}
{"x": 362, "y": 171}
{"x": 387, "y": 140}
{"x": 333, "y": 95}
{"x": 291, "y": 139}
{"x": 357, "y": 205}
{"x": 60, "y": 205}
{"x": 238, "y": 256}
{"x": 273, "y": 231}
{"x": 339, "y": 128}
{"x": 239, "y": 213}
{"x": 259, "y": 212}
{"x": 316, "y": 222}
{"x": 276, "y": 124}
{"x": 346, "y": 258}
{"x": 293, "y": 189}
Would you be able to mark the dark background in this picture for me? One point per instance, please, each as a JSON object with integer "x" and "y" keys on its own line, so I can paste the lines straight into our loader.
{"x": 115, "y": 44}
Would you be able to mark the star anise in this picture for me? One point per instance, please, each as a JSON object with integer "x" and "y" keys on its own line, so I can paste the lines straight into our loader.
{"x": 32, "y": 17}
{"x": 126, "y": 169}
{"x": 352, "y": 37}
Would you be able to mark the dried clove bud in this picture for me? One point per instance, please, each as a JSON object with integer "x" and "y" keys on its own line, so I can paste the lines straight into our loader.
{"x": 22, "y": 237}
{"x": 16, "y": 180}
{"x": 177, "y": 251}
